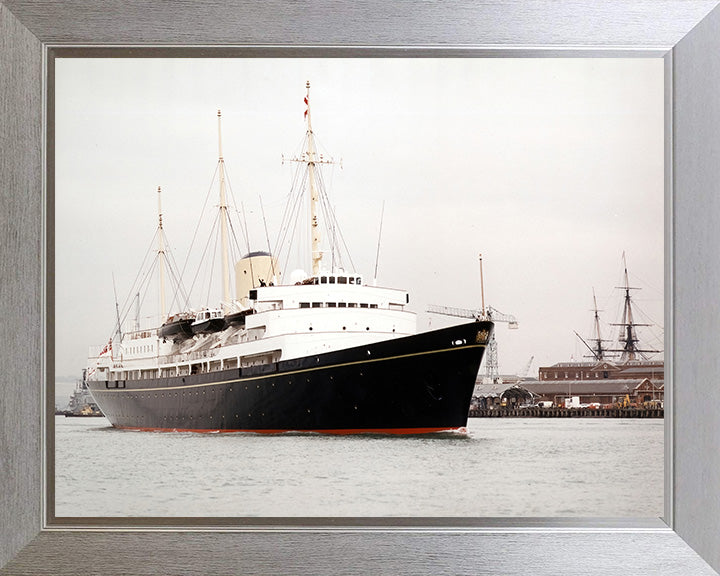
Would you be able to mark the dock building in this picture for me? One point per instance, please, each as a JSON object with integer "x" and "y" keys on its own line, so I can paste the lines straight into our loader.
{"x": 636, "y": 381}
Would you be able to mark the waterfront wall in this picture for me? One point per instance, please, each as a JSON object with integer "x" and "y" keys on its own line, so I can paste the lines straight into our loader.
{"x": 567, "y": 412}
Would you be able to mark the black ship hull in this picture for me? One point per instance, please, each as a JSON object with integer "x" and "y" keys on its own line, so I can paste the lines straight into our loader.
{"x": 415, "y": 384}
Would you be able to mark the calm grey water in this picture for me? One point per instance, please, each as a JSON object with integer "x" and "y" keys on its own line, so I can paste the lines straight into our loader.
{"x": 501, "y": 467}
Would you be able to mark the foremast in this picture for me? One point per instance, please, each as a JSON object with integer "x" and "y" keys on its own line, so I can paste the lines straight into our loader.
{"x": 599, "y": 351}
{"x": 223, "y": 223}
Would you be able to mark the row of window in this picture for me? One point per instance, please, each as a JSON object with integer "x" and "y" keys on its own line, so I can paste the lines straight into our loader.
{"x": 578, "y": 375}
{"x": 140, "y": 349}
{"x": 338, "y": 280}
{"x": 335, "y": 305}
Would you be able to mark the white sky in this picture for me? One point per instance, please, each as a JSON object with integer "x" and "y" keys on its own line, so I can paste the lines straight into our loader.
{"x": 550, "y": 168}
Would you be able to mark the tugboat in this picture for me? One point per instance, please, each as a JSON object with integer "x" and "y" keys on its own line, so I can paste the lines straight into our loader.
{"x": 324, "y": 353}
{"x": 81, "y": 401}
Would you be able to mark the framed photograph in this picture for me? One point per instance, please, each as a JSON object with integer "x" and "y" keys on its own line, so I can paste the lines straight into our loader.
{"x": 528, "y": 160}
{"x": 299, "y": 542}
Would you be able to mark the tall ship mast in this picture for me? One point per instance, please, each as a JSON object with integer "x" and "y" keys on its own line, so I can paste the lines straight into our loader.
{"x": 628, "y": 340}
{"x": 324, "y": 352}
{"x": 628, "y": 349}
{"x": 597, "y": 350}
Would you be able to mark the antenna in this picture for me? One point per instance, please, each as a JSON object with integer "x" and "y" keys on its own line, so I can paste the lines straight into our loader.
{"x": 482, "y": 289}
{"x": 377, "y": 253}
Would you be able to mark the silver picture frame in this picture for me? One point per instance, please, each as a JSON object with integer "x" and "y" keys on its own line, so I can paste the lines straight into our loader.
{"x": 686, "y": 34}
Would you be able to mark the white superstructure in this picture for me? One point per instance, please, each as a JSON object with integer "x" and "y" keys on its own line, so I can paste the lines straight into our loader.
{"x": 326, "y": 312}
{"x": 329, "y": 312}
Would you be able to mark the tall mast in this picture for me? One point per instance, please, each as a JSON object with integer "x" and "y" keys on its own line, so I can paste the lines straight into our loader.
{"x": 628, "y": 337}
{"x": 223, "y": 223}
{"x": 599, "y": 352}
{"x": 312, "y": 160}
{"x": 627, "y": 334}
{"x": 161, "y": 257}
{"x": 314, "y": 224}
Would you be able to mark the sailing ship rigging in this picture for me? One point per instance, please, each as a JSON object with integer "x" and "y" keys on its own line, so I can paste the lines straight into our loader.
{"x": 628, "y": 348}
{"x": 323, "y": 352}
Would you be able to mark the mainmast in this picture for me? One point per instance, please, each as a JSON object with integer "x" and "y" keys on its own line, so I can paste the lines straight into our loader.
{"x": 312, "y": 160}
{"x": 314, "y": 198}
{"x": 161, "y": 258}
{"x": 628, "y": 336}
{"x": 223, "y": 223}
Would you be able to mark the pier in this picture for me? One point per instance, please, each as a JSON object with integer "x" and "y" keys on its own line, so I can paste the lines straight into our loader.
{"x": 556, "y": 412}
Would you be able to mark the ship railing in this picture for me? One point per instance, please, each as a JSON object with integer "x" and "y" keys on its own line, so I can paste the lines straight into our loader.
{"x": 185, "y": 357}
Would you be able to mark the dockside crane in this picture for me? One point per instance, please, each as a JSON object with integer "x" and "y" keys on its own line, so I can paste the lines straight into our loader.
{"x": 485, "y": 313}
{"x": 526, "y": 371}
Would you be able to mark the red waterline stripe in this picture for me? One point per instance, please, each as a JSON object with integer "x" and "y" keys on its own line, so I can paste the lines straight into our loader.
{"x": 397, "y": 431}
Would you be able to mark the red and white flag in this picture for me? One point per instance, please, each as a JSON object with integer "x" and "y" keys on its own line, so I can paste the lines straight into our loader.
{"x": 107, "y": 348}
